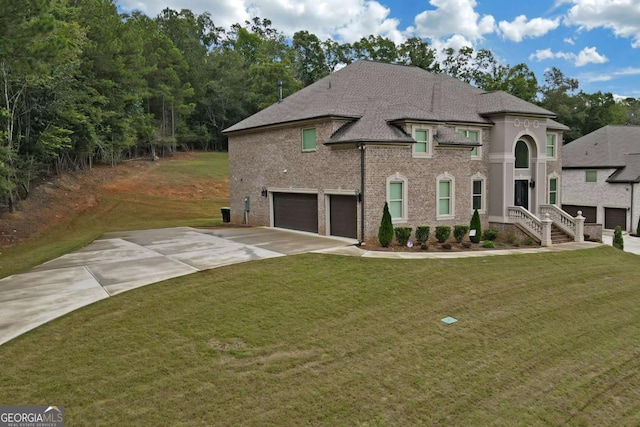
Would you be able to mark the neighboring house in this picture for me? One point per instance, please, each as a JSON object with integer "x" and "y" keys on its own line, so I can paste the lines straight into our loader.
{"x": 601, "y": 176}
{"x": 327, "y": 158}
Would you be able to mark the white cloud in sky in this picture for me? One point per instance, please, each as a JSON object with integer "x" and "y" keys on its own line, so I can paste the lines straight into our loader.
{"x": 588, "y": 55}
{"x": 454, "y": 17}
{"x": 569, "y": 40}
{"x": 521, "y": 28}
{"x": 620, "y": 16}
{"x": 600, "y": 77}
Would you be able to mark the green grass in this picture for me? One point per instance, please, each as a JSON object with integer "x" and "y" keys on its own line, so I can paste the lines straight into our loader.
{"x": 544, "y": 339}
{"x": 132, "y": 210}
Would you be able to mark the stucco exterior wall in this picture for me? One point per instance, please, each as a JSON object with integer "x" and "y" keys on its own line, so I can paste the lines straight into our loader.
{"x": 601, "y": 194}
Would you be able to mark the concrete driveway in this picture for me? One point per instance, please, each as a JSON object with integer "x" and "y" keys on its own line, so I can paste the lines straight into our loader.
{"x": 631, "y": 243}
{"x": 118, "y": 262}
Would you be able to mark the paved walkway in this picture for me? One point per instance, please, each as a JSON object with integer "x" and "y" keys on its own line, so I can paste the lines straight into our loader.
{"x": 119, "y": 262}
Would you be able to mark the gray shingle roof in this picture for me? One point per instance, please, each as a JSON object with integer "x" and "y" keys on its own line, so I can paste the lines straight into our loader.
{"x": 375, "y": 95}
{"x": 608, "y": 147}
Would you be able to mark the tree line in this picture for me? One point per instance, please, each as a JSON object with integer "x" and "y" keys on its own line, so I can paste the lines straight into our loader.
{"x": 81, "y": 83}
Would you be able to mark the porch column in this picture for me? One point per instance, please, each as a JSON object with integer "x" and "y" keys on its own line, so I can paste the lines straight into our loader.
{"x": 545, "y": 240}
{"x": 579, "y": 220}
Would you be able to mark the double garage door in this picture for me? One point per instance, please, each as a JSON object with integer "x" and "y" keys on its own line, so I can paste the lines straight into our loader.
{"x": 612, "y": 216}
{"x": 299, "y": 211}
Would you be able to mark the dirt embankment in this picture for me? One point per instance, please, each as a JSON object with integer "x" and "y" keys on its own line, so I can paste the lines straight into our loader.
{"x": 72, "y": 193}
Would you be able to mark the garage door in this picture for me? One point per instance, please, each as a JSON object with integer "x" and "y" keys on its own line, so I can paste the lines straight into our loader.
{"x": 589, "y": 212}
{"x": 343, "y": 216}
{"x": 296, "y": 211}
{"x": 614, "y": 217}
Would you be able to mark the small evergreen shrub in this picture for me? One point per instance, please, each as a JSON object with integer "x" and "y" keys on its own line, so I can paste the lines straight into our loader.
{"x": 442, "y": 233}
{"x": 638, "y": 228}
{"x": 475, "y": 227}
{"x": 446, "y": 246}
{"x": 490, "y": 234}
{"x": 402, "y": 235}
{"x": 488, "y": 244}
{"x": 528, "y": 241}
{"x": 459, "y": 231}
{"x": 618, "y": 242}
{"x": 385, "y": 232}
{"x": 422, "y": 233}
{"x": 511, "y": 238}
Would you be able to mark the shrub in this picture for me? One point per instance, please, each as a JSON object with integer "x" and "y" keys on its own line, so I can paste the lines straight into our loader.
{"x": 638, "y": 228}
{"x": 475, "y": 227}
{"x": 385, "y": 232}
{"x": 618, "y": 242}
{"x": 446, "y": 246}
{"x": 488, "y": 244}
{"x": 442, "y": 233}
{"x": 528, "y": 241}
{"x": 511, "y": 238}
{"x": 422, "y": 233}
{"x": 490, "y": 234}
{"x": 459, "y": 231}
{"x": 402, "y": 234}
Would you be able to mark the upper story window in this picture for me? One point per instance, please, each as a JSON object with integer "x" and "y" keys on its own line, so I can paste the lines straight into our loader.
{"x": 551, "y": 145}
{"x": 474, "y": 135}
{"x": 422, "y": 147}
{"x": 522, "y": 155}
{"x": 309, "y": 139}
{"x": 591, "y": 176}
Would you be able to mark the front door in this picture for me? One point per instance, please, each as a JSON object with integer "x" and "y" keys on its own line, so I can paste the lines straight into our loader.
{"x": 521, "y": 196}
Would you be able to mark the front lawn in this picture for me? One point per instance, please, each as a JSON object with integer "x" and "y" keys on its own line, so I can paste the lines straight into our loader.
{"x": 542, "y": 339}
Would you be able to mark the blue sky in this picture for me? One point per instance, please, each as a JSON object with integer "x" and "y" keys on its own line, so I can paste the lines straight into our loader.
{"x": 594, "y": 41}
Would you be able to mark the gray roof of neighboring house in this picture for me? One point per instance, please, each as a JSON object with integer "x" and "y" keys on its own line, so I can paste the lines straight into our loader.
{"x": 374, "y": 95}
{"x": 608, "y": 147}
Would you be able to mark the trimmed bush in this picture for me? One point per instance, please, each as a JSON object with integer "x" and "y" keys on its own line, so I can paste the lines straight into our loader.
{"x": 442, "y": 233}
{"x": 459, "y": 231}
{"x": 511, "y": 238}
{"x": 446, "y": 246}
{"x": 475, "y": 226}
{"x": 490, "y": 234}
{"x": 618, "y": 242}
{"x": 528, "y": 241}
{"x": 488, "y": 244}
{"x": 422, "y": 233}
{"x": 385, "y": 232}
{"x": 402, "y": 234}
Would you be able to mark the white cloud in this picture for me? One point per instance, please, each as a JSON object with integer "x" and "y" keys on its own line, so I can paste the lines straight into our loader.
{"x": 520, "y": 28}
{"x": 620, "y": 16}
{"x": 454, "y": 17}
{"x": 600, "y": 77}
{"x": 349, "y": 20}
{"x": 570, "y": 41}
{"x": 588, "y": 55}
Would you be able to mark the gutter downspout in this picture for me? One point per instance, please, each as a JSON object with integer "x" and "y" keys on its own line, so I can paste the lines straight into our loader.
{"x": 361, "y": 147}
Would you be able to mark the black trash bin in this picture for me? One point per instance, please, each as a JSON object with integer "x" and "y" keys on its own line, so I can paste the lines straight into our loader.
{"x": 226, "y": 214}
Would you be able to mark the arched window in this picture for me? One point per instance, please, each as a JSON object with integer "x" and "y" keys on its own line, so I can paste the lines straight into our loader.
{"x": 522, "y": 155}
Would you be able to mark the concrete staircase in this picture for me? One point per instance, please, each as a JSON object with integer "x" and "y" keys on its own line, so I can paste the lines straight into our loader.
{"x": 559, "y": 236}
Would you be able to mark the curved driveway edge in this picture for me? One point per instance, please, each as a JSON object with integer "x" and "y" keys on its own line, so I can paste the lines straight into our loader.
{"x": 118, "y": 262}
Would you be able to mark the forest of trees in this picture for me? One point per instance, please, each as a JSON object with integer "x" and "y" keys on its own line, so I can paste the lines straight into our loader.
{"x": 81, "y": 83}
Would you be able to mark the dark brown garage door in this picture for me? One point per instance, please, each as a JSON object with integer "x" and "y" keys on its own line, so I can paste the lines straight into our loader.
{"x": 296, "y": 211}
{"x": 589, "y": 212}
{"x": 343, "y": 217}
{"x": 614, "y": 217}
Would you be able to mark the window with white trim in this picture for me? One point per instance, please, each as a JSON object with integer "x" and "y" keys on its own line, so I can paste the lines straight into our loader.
{"x": 422, "y": 146}
{"x": 551, "y": 145}
{"x": 474, "y": 135}
{"x": 553, "y": 190}
{"x": 445, "y": 197}
{"x": 309, "y": 139}
{"x": 522, "y": 155}
{"x": 397, "y": 197}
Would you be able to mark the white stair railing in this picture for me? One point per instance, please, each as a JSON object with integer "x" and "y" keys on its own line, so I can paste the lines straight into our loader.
{"x": 537, "y": 227}
{"x": 574, "y": 227}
